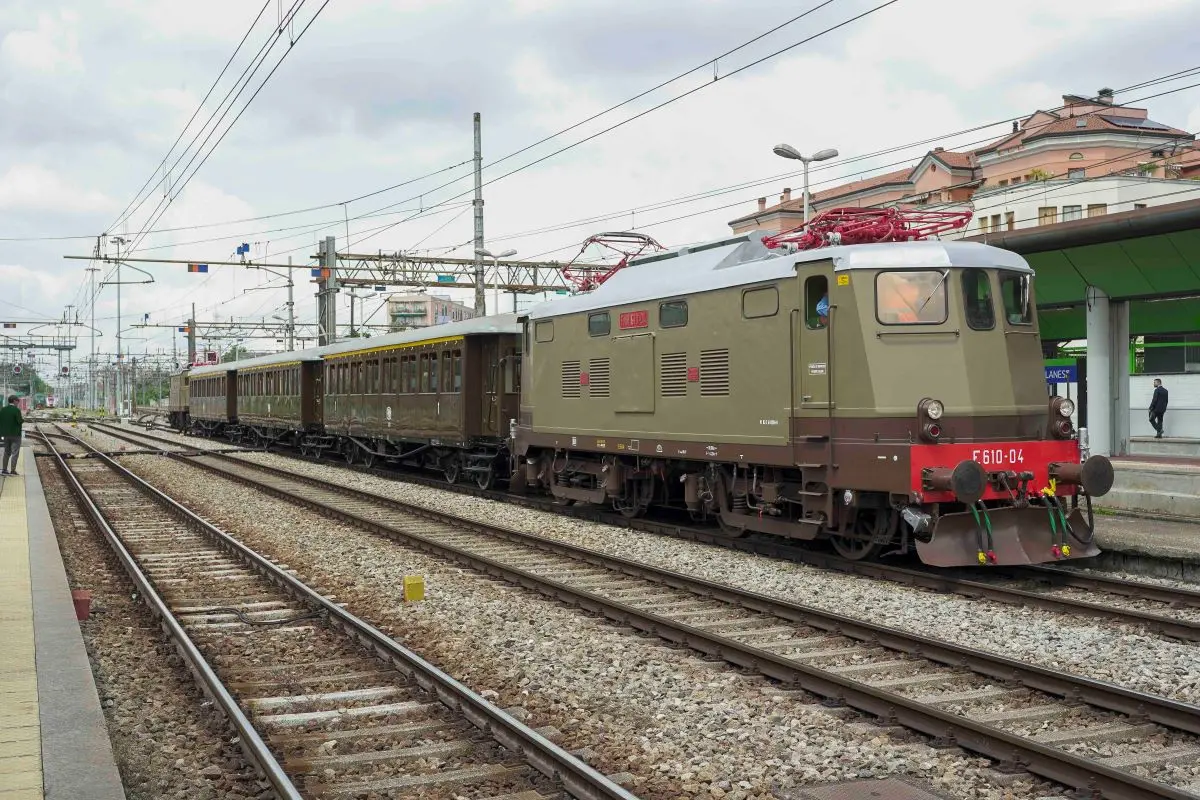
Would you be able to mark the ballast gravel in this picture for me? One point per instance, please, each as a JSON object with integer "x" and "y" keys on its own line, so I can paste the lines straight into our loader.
{"x": 1106, "y": 650}
{"x": 680, "y": 727}
{"x": 169, "y": 743}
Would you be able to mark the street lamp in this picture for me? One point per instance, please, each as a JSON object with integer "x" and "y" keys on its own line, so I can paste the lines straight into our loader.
{"x": 787, "y": 151}
{"x": 495, "y": 266}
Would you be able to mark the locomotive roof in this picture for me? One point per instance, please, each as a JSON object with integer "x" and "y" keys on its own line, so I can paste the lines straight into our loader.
{"x": 744, "y": 260}
{"x": 497, "y": 323}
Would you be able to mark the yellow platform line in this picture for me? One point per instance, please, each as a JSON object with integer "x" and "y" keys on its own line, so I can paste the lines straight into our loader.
{"x": 20, "y": 730}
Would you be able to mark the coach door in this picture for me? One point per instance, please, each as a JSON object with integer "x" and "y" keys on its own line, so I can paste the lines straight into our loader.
{"x": 489, "y": 417}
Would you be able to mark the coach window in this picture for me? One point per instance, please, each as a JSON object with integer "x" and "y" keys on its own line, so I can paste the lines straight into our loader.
{"x": 424, "y": 373}
{"x": 977, "y": 300}
{"x": 544, "y": 331}
{"x": 816, "y": 302}
{"x": 599, "y": 324}
{"x": 673, "y": 314}
{"x": 447, "y": 371}
{"x": 456, "y": 386}
{"x": 433, "y": 373}
{"x": 1018, "y": 304}
{"x": 911, "y": 297}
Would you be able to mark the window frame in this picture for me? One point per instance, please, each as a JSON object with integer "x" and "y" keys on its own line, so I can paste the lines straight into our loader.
{"x": 774, "y": 290}
{"x": 599, "y": 315}
{"x": 673, "y": 304}
{"x": 1007, "y": 275}
{"x": 541, "y": 325}
{"x": 987, "y": 281}
{"x": 813, "y": 323}
{"x": 944, "y": 278}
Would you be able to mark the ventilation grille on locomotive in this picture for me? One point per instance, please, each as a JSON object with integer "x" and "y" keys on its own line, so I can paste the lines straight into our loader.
{"x": 598, "y": 377}
{"x": 714, "y": 373}
{"x": 673, "y": 375}
{"x": 570, "y": 379}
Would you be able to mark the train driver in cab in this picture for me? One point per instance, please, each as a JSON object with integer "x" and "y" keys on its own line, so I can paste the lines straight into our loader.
{"x": 823, "y": 311}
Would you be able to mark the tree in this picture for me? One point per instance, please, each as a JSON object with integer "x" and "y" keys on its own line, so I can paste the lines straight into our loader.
{"x": 235, "y": 353}
{"x": 1037, "y": 174}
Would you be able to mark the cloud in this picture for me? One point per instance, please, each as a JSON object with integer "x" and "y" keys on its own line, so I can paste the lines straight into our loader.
{"x": 30, "y": 187}
{"x": 51, "y": 47}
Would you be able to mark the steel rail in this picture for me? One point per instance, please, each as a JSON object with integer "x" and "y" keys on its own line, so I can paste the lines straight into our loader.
{"x": 573, "y": 775}
{"x": 251, "y": 743}
{"x": 889, "y": 707}
{"x": 1183, "y": 629}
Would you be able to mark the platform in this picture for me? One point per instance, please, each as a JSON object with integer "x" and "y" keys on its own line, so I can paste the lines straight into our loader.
{"x": 1170, "y": 446}
{"x": 1166, "y": 485}
{"x": 53, "y": 740}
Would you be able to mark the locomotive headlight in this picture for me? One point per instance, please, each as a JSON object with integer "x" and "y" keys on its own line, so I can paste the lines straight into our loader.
{"x": 1066, "y": 407}
{"x": 934, "y": 409}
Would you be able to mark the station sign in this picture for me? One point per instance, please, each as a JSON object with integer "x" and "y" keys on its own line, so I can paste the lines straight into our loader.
{"x": 1062, "y": 374}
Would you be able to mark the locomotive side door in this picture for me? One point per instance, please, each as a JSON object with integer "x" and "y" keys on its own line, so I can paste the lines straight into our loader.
{"x": 815, "y": 333}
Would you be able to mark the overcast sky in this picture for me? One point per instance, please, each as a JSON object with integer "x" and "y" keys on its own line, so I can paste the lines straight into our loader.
{"x": 94, "y": 92}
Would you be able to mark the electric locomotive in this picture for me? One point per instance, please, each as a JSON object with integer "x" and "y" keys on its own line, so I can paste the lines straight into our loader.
{"x": 884, "y": 396}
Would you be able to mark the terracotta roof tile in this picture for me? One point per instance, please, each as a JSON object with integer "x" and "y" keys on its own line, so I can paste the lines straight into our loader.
{"x": 895, "y": 176}
{"x": 954, "y": 159}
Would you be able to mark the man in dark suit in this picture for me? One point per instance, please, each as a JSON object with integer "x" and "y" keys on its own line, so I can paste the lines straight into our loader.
{"x": 1158, "y": 407}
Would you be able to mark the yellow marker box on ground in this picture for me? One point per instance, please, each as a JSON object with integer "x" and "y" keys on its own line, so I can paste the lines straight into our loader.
{"x": 414, "y": 588}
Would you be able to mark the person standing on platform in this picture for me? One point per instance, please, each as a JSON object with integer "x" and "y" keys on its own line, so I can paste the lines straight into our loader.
{"x": 1158, "y": 408}
{"x": 10, "y": 432}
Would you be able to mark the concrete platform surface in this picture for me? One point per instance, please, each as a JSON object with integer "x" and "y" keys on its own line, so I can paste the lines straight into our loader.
{"x": 54, "y": 743}
{"x": 1167, "y": 485}
{"x": 1151, "y": 537}
{"x": 1166, "y": 446}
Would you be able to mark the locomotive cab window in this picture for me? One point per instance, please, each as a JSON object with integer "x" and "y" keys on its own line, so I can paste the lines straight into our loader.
{"x": 911, "y": 297}
{"x": 816, "y": 302}
{"x": 673, "y": 314}
{"x": 977, "y": 300}
{"x": 599, "y": 324}
{"x": 1018, "y": 304}
{"x": 544, "y": 331}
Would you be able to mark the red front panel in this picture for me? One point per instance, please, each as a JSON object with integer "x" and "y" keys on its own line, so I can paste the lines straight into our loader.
{"x": 1017, "y": 456}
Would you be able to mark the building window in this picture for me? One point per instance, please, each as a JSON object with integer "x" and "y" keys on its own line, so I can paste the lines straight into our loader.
{"x": 1072, "y": 212}
{"x": 911, "y": 297}
{"x": 599, "y": 324}
{"x": 1097, "y": 209}
{"x": 673, "y": 314}
{"x": 1004, "y": 182}
{"x": 1136, "y": 206}
{"x": 1077, "y": 174}
{"x": 1076, "y": 156}
{"x": 1016, "y": 179}
{"x": 1047, "y": 215}
{"x": 983, "y": 224}
{"x": 1010, "y": 220}
{"x": 1081, "y": 122}
{"x": 977, "y": 300}
{"x": 996, "y": 222}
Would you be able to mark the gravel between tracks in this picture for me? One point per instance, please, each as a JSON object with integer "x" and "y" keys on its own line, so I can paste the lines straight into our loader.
{"x": 1101, "y": 649}
{"x": 168, "y": 744}
{"x": 681, "y": 727}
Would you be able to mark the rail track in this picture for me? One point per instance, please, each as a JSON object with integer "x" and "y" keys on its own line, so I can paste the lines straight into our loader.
{"x": 1166, "y": 610}
{"x": 1025, "y": 717}
{"x": 324, "y": 704}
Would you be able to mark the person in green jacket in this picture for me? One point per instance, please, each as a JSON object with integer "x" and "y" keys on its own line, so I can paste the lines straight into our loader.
{"x": 10, "y": 432}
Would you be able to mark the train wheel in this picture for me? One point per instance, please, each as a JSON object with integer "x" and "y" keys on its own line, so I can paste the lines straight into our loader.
{"x": 863, "y": 540}
{"x": 351, "y": 452}
{"x": 369, "y": 459}
{"x": 485, "y": 480}
{"x": 452, "y": 470}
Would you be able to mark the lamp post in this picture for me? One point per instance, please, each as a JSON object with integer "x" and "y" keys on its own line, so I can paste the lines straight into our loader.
{"x": 495, "y": 266}
{"x": 787, "y": 151}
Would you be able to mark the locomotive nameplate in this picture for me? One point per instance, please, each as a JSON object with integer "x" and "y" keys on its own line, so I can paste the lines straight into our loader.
{"x": 816, "y": 369}
{"x": 634, "y": 319}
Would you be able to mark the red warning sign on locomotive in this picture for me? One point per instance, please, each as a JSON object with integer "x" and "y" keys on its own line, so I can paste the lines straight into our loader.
{"x": 634, "y": 319}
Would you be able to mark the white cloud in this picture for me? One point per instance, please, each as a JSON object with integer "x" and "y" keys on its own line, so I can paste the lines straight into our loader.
{"x": 30, "y": 187}
{"x": 52, "y": 46}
